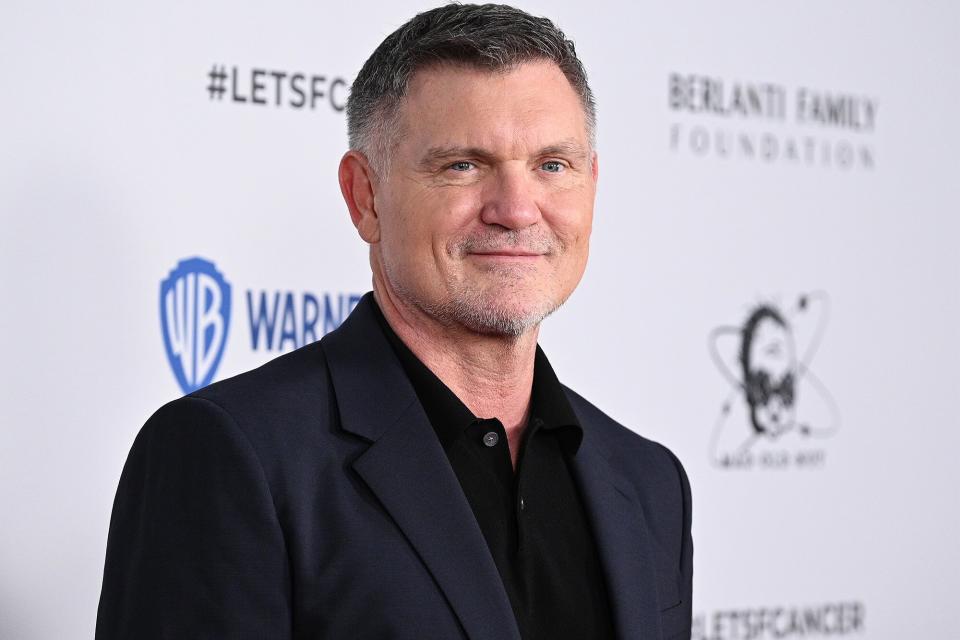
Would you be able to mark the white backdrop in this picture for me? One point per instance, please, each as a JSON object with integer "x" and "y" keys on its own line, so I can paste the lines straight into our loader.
{"x": 804, "y": 161}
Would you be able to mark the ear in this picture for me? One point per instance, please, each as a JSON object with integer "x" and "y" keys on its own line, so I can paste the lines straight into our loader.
{"x": 595, "y": 165}
{"x": 356, "y": 183}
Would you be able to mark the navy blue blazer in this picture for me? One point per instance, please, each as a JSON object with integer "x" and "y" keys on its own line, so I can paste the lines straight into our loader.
{"x": 310, "y": 498}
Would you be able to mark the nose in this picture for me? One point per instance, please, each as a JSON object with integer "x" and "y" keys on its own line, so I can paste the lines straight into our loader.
{"x": 510, "y": 199}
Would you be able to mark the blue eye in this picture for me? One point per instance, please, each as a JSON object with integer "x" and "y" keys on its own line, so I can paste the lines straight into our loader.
{"x": 462, "y": 166}
{"x": 552, "y": 166}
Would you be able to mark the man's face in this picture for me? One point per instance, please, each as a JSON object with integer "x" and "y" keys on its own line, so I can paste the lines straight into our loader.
{"x": 770, "y": 386}
{"x": 486, "y": 209}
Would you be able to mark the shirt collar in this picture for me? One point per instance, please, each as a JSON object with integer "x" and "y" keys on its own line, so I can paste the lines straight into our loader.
{"x": 549, "y": 407}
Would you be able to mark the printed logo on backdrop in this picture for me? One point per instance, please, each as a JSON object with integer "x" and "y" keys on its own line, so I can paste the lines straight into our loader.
{"x": 771, "y": 123}
{"x": 195, "y": 312}
{"x": 195, "y": 318}
{"x": 777, "y": 410}
{"x": 276, "y": 88}
{"x": 828, "y": 620}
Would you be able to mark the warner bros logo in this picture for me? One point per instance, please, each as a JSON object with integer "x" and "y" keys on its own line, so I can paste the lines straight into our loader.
{"x": 777, "y": 410}
{"x": 195, "y": 318}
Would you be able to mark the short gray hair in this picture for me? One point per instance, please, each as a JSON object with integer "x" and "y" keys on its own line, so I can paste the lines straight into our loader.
{"x": 492, "y": 37}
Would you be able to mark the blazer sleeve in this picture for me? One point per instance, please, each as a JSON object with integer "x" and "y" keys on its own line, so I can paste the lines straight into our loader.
{"x": 195, "y": 549}
{"x": 686, "y": 553}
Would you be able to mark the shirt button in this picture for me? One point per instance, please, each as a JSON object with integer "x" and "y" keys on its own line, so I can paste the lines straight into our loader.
{"x": 491, "y": 438}
{"x": 523, "y": 505}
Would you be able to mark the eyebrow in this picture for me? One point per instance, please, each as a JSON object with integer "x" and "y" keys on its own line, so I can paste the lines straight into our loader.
{"x": 434, "y": 155}
{"x": 564, "y": 148}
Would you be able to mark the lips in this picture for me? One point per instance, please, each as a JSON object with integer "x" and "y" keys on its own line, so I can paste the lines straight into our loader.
{"x": 516, "y": 245}
{"x": 509, "y": 253}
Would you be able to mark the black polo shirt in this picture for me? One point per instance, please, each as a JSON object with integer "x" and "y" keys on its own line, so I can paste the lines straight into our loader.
{"x": 533, "y": 520}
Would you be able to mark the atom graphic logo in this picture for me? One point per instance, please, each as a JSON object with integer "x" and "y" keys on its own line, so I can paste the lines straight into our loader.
{"x": 774, "y": 398}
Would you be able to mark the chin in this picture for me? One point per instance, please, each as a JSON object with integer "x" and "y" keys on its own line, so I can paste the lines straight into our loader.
{"x": 501, "y": 317}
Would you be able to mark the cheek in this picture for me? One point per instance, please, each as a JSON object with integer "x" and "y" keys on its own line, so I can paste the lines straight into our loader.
{"x": 573, "y": 230}
{"x": 426, "y": 228}
{"x": 404, "y": 218}
{"x": 570, "y": 208}
{"x": 454, "y": 216}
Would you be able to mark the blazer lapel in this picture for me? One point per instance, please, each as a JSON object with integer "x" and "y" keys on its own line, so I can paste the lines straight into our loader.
{"x": 622, "y": 540}
{"x": 408, "y": 471}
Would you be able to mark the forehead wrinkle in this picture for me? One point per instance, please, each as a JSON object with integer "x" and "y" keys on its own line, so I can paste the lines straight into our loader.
{"x": 516, "y": 132}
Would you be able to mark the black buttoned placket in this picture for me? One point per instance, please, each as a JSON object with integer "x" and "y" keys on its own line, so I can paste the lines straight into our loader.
{"x": 532, "y": 518}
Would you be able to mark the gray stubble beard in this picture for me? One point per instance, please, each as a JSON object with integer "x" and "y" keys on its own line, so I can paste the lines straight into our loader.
{"x": 471, "y": 308}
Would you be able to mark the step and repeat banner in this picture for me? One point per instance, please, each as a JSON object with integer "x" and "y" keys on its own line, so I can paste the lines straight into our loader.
{"x": 773, "y": 292}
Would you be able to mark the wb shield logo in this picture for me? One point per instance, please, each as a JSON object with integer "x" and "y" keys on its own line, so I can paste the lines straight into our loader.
{"x": 195, "y": 317}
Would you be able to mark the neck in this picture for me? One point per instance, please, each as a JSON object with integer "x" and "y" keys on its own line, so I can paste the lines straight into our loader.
{"x": 491, "y": 374}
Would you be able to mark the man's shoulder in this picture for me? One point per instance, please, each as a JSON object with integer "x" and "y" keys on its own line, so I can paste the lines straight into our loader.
{"x": 298, "y": 378}
{"x": 613, "y": 435}
{"x": 641, "y": 459}
{"x": 657, "y": 477}
{"x": 278, "y": 408}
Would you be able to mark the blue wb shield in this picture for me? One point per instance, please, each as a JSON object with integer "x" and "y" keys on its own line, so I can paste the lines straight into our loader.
{"x": 195, "y": 317}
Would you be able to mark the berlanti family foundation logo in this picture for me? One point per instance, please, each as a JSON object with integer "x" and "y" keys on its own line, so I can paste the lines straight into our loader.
{"x": 764, "y": 122}
{"x": 195, "y": 319}
{"x": 777, "y": 411}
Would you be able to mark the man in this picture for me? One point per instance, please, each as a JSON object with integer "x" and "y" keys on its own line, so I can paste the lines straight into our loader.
{"x": 420, "y": 472}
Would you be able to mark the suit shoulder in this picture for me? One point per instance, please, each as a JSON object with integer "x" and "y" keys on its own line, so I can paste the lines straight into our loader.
{"x": 187, "y": 418}
{"x": 296, "y": 375}
{"x": 653, "y": 469}
{"x": 187, "y": 438}
{"x": 657, "y": 476}
{"x": 282, "y": 407}
{"x": 618, "y": 438}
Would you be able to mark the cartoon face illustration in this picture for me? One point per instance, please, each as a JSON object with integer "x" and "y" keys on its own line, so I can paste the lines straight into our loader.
{"x": 768, "y": 358}
{"x": 767, "y": 362}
